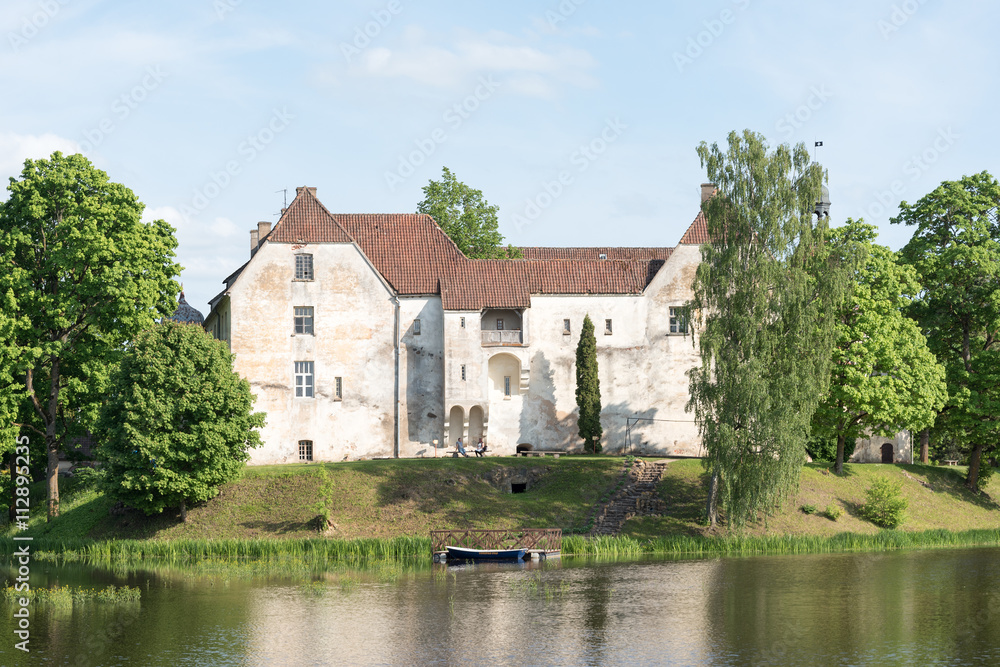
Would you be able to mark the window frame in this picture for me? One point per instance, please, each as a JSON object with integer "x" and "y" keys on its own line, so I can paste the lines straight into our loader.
{"x": 305, "y": 450}
{"x": 304, "y": 270}
{"x": 567, "y": 327}
{"x": 338, "y": 388}
{"x": 416, "y": 326}
{"x": 678, "y": 322}
{"x": 308, "y": 323}
{"x": 608, "y": 329}
{"x": 506, "y": 386}
{"x": 306, "y": 372}
{"x": 499, "y": 324}
{"x": 464, "y": 376}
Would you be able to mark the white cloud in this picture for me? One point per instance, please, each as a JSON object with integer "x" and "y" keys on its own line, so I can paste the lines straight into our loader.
{"x": 16, "y": 148}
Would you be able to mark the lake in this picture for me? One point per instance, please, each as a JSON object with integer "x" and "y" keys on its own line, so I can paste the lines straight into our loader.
{"x": 922, "y": 607}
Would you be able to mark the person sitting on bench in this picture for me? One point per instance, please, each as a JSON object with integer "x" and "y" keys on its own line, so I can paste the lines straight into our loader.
{"x": 480, "y": 448}
{"x": 460, "y": 448}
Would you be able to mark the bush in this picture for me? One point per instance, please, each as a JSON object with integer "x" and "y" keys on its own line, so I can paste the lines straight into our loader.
{"x": 985, "y": 473}
{"x": 833, "y": 512}
{"x": 884, "y": 504}
{"x": 809, "y": 509}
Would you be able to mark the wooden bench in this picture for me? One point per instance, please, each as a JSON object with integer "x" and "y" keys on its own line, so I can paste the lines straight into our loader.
{"x": 540, "y": 452}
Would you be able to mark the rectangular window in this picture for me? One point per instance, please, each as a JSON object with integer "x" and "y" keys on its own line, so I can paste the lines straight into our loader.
{"x": 305, "y": 450}
{"x": 303, "y": 267}
{"x": 461, "y": 322}
{"x": 607, "y": 327}
{"x": 463, "y": 372}
{"x": 506, "y": 386}
{"x": 338, "y": 389}
{"x": 304, "y": 320}
{"x": 678, "y": 320}
{"x": 566, "y": 327}
{"x": 416, "y": 327}
{"x": 305, "y": 380}
{"x": 499, "y": 324}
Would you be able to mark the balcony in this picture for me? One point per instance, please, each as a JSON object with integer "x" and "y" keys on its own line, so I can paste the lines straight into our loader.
{"x": 504, "y": 337}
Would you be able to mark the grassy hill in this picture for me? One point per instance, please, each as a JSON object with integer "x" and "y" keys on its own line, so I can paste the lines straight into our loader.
{"x": 413, "y": 496}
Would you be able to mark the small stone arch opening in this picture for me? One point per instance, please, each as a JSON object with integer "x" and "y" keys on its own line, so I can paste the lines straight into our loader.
{"x": 518, "y": 487}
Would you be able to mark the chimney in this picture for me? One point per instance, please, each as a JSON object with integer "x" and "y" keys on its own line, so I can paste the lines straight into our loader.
{"x": 254, "y": 240}
{"x": 707, "y": 190}
{"x": 299, "y": 190}
{"x": 263, "y": 229}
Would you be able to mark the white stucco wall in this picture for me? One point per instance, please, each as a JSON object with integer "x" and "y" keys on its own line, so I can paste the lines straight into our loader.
{"x": 421, "y": 375}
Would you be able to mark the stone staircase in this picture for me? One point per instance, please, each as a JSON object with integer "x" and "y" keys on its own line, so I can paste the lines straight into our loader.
{"x": 636, "y": 497}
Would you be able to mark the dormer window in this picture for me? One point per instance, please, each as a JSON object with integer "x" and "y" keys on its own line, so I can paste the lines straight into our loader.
{"x": 602, "y": 256}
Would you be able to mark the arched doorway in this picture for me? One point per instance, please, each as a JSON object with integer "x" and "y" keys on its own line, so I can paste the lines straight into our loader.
{"x": 888, "y": 453}
{"x": 456, "y": 425}
{"x": 476, "y": 430}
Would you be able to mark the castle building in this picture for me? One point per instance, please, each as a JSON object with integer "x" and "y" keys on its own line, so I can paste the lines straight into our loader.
{"x": 372, "y": 335}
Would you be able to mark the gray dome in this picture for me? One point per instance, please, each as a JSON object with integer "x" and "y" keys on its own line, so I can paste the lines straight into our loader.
{"x": 187, "y": 314}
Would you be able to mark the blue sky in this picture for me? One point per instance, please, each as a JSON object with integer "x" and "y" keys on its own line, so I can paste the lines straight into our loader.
{"x": 578, "y": 118}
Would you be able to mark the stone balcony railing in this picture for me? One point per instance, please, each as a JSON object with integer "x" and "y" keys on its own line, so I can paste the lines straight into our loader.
{"x": 505, "y": 337}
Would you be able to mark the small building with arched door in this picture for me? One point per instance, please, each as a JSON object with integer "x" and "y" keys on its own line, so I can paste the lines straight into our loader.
{"x": 881, "y": 449}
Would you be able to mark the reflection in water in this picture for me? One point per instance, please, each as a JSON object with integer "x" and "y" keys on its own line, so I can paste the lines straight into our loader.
{"x": 933, "y": 607}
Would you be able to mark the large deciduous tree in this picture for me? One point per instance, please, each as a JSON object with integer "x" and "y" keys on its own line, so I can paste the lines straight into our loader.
{"x": 588, "y": 389}
{"x": 883, "y": 378}
{"x": 955, "y": 250}
{"x": 466, "y": 217}
{"x": 87, "y": 275}
{"x": 764, "y": 298}
{"x": 178, "y": 422}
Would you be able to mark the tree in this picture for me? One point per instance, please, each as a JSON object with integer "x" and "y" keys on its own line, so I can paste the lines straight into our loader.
{"x": 178, "y": 421}
{"x": 883, "y": 377}
{"x": 955, "y": 250}
{"x": 764, "y": 295}
{"x": 465, "y": 217}
{"x": 87, "y": 275}
{"x": 588, "y": 389}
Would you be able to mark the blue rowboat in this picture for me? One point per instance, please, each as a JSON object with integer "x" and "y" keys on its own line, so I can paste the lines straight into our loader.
{"x": 461, "y": 553}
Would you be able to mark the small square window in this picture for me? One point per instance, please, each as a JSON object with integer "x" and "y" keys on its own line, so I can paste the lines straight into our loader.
{"x": 499, "y": 324}
{"x": 305, "y": 379}
{"x": 338, "y": 389}
{"x": 304, "y": 320}
{"x": 303, "y": 267}
{"x": 463, "y": 372}
{"x": 416, "y": 327}
{"x": 461, "y": 322}
{"x": 678, "y": 321}
{"x": 506, "y": 386}
{"x": 566, "y": 327}
{"x": 607, "y": 327}
{"x": 305, "y": 450}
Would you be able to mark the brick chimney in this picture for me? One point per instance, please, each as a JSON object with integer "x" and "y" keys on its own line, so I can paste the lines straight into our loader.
{"x": 707, "y": 190}
{"x": 299, "y": 190}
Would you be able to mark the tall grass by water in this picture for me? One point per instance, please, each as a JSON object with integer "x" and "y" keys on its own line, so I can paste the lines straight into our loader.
{"x": 67, "y": 596}
{"x": 695, "y": 546}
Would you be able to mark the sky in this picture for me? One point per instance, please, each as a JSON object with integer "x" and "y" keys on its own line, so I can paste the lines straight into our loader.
{"x": 578, "y": 118}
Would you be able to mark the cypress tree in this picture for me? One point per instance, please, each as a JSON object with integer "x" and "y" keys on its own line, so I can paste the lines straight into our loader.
{"x": 588, "y": 389}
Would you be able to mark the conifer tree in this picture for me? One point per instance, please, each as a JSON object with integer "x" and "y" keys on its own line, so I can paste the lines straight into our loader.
{"x": 588, "y": 389}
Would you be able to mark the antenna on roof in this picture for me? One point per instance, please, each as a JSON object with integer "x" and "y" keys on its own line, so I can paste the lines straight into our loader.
{"x": 284, "y": 202}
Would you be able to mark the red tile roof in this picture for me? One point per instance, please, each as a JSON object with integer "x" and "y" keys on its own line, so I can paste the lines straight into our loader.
{"x": 416, "y": 257}
{"x": 697, "y": 233}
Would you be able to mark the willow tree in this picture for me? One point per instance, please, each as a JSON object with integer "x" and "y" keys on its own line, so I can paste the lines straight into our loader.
{"x": 955, "y": 250}
{"x": 764, "y": 298}
{"x": 883, "y": 378}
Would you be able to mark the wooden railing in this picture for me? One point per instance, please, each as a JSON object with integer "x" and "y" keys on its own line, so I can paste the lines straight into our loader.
{"x": 541, "y": 539}
{"x": 503, "y": 337}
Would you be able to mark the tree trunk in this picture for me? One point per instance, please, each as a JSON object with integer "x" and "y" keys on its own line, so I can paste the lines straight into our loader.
{"x": 12, "y": 512}
{"x": 52, "y": 442}
{"x": 972, "y": 480}
{"x": 184, "y": 512}
{"x": 925, "y": 445}
{"x": 838, "y": 466}
{"x": 712, "y": 508}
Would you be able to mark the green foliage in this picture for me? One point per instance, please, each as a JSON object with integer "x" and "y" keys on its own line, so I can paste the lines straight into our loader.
{"x": 178, "y": 422}
{"x": 67, "y": 596}
{"x": 764, "y": 296}
{"x": 985, "y": 475}
{"x": 465, "y": 217}
{"x": 883, "y": 378}
{"x": 809, "y": 509}
{"x": 824, "y": 448}
{"x": 955, "y": 250}
{"x": 833, "y": 512}
{"x": 83, "y": 274}
{"x": 588, "y": 389}
{"x": 884, "y": 503}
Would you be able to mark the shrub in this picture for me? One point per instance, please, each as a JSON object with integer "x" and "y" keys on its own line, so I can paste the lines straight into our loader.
{"x": 809, "y": 509}
{"x": 884, "y": 504}
{"x": 833, "y": 512}
{"x": 985, "y": 473}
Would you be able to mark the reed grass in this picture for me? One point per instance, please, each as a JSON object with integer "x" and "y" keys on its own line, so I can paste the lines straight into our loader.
{"x": 695, "y": 546}
{"x": 67, "y": 596}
